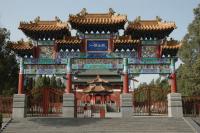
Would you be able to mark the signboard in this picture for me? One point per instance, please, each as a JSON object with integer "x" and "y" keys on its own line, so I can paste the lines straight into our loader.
{"x": 97, "y": 45}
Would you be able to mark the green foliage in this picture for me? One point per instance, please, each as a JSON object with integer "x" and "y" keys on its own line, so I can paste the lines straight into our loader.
{"x": 59, "y": 83}
{"x": 142, "y": 85}
{"x": 158, "y": 88}
{"x": 8, "y": 66}
{"x": 47, "y": 82}
{"x": 39, "y": 82}
{"x": 53, "y": 82}
{"x": 29, "y": 84}
{"x": 188, "y": 81}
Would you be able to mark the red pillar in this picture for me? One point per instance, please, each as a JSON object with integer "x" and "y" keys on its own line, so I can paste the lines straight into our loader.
{"x": 20, "y": 84}
{"x": 139, "y": 51}
{"x": 20, "y": 81}
{"x": 34, "y": 51}
{"x": 125, "y": 83}
{"x": 68, "y": 83}
{"x": 101, "y": 99}
{"x": 95, "y": 99}
{"x": 173, "y": 83}
{"x": 125, "y": 76}
{"x": 110, "y": 45}
{"x": 158, "y": 51}
{"x": 173, "y": 77}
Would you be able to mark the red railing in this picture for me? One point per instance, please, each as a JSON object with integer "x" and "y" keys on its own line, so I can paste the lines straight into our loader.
{"x": 153, "y": 108}
{"x": 150, "y": 101}
{"x": 191, "y": 106}
{"x": 6, "y": 103}
{"x": 44, "y": 102}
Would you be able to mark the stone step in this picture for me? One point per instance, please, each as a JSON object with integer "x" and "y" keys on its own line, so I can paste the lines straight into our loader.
{"x": 91, "y": 125}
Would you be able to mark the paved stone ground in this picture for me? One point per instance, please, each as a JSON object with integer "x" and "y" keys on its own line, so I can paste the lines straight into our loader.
{"x": 5, "y": 121}
{"x": 92, "y": 125}
{"x": 197, "y": 120}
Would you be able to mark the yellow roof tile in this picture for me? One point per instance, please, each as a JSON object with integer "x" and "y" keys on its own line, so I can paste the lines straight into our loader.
{"x": 172, "y": 44}
{"x": 39, "y": 25}
{"x": 125, "y": 40}
{"x": 20, "y": 45}
{"x": 103, "y": 18}
{"x": 151, "y": 25}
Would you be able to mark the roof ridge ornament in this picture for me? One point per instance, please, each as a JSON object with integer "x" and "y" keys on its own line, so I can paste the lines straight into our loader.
{"x": 57, "y": 19}
{"x": 137, "y": 19}
{"x": 158, "y": 18}
{"x": 83, "y": 12}
{"x": 37, "y": 19}
{"x": 111, "y": 11}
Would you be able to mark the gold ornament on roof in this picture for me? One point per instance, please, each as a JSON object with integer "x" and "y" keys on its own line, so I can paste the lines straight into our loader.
{"x": 57, "y": 19}
{"x": 158, "y": 18}
{"x": 83, "y": 12}
{"x": 138, "y": 19}
{"x": 111, "y": 11}
{"x": 37, "y": 19}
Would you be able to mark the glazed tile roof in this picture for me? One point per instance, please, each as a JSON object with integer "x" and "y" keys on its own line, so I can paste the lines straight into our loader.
{"x": 172, "y": 44}
{"x": 69, "y": 41}
{"x": 97, "y": 19}
{"x": 125, "y": 40}
{"x": 98, "y": 80}
{"x": 97, "y": 89}
{"x": 151, "y": 25}
{"x": 20, "y": 46}
{"x": 39, "y": 25}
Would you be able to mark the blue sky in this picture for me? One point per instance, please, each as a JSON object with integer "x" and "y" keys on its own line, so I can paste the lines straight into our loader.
{"x": 14, "y": 11}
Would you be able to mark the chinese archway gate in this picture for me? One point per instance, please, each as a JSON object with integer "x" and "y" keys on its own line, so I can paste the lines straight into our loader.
{"x": 97, "y": 49}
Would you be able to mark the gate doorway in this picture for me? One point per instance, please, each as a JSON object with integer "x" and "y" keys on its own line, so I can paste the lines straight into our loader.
{"x": 44, "y": 102}
{"x": 91, "y": 106}
{"x": 149, "y": 101}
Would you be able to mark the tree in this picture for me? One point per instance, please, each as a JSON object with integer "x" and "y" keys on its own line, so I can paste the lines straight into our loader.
{"x": 45, "y": 81}
{"x": 29, "y": 84}
{"x": 53, "y": 82}
{"x": 8, "y": 66}
{"x": 39, "y": 82}
{"x": 160, "y": 93}
{"x": 59, "y": 83}
{"x": 187, "y": 81}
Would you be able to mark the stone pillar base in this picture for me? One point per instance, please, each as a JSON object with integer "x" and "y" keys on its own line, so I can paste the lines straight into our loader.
{"x": 175, "y": 108}
{"x": 126, "y": 105}
{"x": 19, "y": 106}
{"x": 68, "y": 105}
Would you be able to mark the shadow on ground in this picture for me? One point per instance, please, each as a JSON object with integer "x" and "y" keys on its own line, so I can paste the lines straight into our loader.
{"x": 58, "y": 122}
